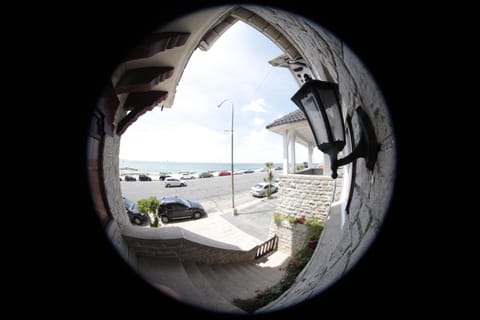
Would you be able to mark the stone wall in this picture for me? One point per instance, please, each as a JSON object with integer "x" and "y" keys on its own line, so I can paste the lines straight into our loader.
{"x": 114, "y": 196}
{"x": 187, "y": 246}
{"x": 331, "y": 60}
{"x": 307, "y": 195}
{"x": 291, "y": 237}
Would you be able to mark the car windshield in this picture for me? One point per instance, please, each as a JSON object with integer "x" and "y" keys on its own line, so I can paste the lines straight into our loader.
{"x": 185, "y": 202}
{"x": 259, "y": 186}
{"x": 129, "y": 204}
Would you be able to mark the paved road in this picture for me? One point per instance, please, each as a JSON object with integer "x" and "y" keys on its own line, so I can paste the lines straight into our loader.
{"x": 211, "y": 192}
{"x": 254, "y": 215}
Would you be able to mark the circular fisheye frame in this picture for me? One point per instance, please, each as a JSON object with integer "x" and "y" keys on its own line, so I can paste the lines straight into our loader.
{"x": 230, "y": 222}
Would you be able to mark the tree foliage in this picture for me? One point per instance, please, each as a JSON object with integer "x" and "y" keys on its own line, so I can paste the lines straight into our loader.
{"x": 149, "y": 206}
{"x": 268, "y": 179}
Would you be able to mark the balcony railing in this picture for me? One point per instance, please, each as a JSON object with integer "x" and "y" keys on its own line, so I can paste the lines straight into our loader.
{"x": 267, "y": 247}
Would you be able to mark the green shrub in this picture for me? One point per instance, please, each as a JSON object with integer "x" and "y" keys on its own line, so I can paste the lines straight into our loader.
{"x": 314, "y": 230}
{"x": 292, "y": 219}
{"x": 277, "y": 217}
{"x": 143, "y": 206}
{"x": 149, "y": 206}
{"x": 268, "y": 179}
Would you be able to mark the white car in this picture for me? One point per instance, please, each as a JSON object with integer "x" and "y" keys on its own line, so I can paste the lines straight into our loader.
{"x": 261, "y": 189}
{"x": 186, "y": 176}
{"x": 174, "y": 182}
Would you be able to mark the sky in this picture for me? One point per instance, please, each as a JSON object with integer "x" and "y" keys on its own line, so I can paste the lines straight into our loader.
{"x": 194, "y": 129}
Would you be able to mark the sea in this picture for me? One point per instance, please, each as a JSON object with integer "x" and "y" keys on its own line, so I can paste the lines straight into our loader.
{"x": 191, "y": 167}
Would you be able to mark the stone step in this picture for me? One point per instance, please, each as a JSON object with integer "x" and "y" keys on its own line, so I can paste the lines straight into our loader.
{"x": 217, "y": 282}
{"x": 210, "y": 300}
{"x": 272, "y": 267}
{"x": 240, "y": 284}
{"x": 169, "y": 276}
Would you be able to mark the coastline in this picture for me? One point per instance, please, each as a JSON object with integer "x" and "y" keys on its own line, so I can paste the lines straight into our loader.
{"x": 156, "y": 175}
{"x": 154, "y": 168}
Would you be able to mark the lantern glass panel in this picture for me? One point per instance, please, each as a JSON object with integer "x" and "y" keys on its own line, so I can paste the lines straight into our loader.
{"x": 315, "y": 116}
{"x": 332, "y": 109}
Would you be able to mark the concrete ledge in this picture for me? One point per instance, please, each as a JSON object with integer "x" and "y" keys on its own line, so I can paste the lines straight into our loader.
{"x": 186, "y": 245}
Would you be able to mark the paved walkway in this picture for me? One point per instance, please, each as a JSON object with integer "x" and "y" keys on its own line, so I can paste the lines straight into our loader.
{"x": 247, "y": 229}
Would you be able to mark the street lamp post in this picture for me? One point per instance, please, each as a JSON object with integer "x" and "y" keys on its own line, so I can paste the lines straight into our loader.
{"x": 233, "y": 185}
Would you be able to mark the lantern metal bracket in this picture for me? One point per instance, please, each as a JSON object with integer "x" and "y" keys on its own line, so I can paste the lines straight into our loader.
{"x": 367, "y": 146}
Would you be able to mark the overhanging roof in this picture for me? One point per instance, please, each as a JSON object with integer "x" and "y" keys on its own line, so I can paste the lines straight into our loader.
{"x": 294, "y": 122}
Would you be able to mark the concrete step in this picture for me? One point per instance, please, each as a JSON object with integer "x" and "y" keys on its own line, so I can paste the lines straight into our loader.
{"x": 217, "y": 282}
{"x": 211, "y": 300}
{"x": 212, "y": 287}
{"x": 245, "y": 280}
{"x": 169, "y": 276}
{"x": 239, "y": 284}
{"x": 272, "y": 267}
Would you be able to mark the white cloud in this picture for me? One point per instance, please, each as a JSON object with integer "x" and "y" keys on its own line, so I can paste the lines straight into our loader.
{"x": 256, "y": 106}
{"x": 183, "y": 142}
{"x": 258, "y": 121}
{"x": 235, "y": 68}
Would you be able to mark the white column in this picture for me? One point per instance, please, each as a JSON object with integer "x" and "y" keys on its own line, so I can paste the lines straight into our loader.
{"x": 310, "y": 155}
{"x": 292, "y": 152}
{"x": 327, "y": 170}
{"x": 285, "y": 152}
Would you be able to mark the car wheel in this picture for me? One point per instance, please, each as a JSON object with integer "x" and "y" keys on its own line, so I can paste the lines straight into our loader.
{"x": 167, "y": 185}
{"x": 182, "y": 185}
{"x": 196, "y": 215}
{"x": 164, "y": 219}
{"x": 137, "y": 221}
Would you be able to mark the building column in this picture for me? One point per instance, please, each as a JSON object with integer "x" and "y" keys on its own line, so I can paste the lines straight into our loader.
{"x": 292, "y": 152}
{"x": 327, "y": 169}
{"x": 285, "y": 152}
{"x": 310, "y": 154}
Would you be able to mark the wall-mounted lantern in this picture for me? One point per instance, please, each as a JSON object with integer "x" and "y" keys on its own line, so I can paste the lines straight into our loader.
{"x": 319, "y": 101}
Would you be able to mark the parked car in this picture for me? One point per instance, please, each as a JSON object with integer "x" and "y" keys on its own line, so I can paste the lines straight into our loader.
{"x": 186, "y": 176}
{"x": 224, "y": 173}
{"x": 276, "y": 182}
{"x": 164, "y": 175}
{"x": 174, "y": 182}
{"x": 144, "y": 177}
{"x": 205, "y": 175}
{"x": 135, "y": 216}
{"x": 172, "y": 208}
{"x": 249, "y": 171}
{"x": 130, "y": 178}
{"x": 261, "y": 189}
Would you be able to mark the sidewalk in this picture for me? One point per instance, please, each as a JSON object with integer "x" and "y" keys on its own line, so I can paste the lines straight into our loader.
{"x": 246, "y": 230}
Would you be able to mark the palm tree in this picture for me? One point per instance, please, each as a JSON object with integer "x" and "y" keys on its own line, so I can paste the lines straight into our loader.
{"x": 268, "y": 179}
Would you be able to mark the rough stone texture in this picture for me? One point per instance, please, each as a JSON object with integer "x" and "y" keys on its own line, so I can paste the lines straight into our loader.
{"x": 115, "y": 234}
{"x": 331, "y": 60}
{"x": 307, "y": 195}
{"x": 291, "y": 237}
{"x": 112, "y": 178}
{"x": 114, "y": 196}
{"x": 188, "y": 251}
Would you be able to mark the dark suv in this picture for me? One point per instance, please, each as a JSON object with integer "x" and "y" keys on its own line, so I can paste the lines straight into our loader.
{"x": 144, "y": 177}
{"x": 135, "y": 216}
{"x": 172, "y": 208}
